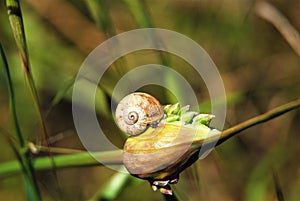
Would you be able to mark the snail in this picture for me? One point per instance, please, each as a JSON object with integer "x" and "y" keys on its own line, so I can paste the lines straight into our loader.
{"x": 163, "y": 141}
{"x": 160, "y": 154}
{"x": 137, "y": 111}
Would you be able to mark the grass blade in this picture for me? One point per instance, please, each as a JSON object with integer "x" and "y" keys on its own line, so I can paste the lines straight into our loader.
{"x": 99, "y": 10}
{"x": 113, "y": 187}
{"x": 261, "y": 177}
{"x": 29, "y": 178}
{"x": 12, "y": 100}
{"x": 16, "y": 22}
{"x": 140, "y": 12}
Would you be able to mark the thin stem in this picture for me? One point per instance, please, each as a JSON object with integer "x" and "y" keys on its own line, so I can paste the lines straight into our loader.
{"x": 24, "y": 161}
{"x": 17, "y": 25}
{"x": 57, "y": 150}
{"x": 16, "y": 21}
{"x": 12, "y": 100}
{"x": 230, "y": 132}
{"x": 115, "y": 157}
{"x": 272, "y": 15}
{"x": 67, "y": 161}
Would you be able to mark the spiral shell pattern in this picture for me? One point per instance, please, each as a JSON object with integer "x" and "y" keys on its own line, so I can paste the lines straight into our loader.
{"x": 137, "y": 111}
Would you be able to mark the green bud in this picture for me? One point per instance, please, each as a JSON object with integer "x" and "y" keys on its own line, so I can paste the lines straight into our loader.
{"x": 204, "y": 119}
{"x": 173, "y": 109}
{"x": 172, "y": 118}
{"x": 187, "y": 117}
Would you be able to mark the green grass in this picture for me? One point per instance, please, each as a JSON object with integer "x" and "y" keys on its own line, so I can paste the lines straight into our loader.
{"x": 39, "y": 62}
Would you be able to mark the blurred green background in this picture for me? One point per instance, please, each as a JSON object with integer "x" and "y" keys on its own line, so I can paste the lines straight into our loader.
{"x": 259, "y": 69}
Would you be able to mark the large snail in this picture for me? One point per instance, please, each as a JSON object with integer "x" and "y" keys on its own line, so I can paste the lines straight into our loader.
{"x": 137, "y": 111}
{"x": 160, "y": 149}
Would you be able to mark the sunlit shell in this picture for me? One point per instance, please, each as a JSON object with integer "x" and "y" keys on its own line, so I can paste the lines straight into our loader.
{"x": 136, "y": 111}
{"x": 163, "y": 152}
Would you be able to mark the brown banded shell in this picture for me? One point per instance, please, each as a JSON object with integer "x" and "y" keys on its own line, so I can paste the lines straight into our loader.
{"x": 136, "y": 111}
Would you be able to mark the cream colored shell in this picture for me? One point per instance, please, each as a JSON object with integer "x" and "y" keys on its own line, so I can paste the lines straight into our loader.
{"x": 137, "y": 111}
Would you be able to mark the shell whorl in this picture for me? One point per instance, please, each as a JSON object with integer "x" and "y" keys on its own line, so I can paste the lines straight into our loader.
{"x": 136, "y": 111}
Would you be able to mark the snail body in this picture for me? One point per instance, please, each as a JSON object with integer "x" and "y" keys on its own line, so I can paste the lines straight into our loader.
{"x": 137, "y": 111}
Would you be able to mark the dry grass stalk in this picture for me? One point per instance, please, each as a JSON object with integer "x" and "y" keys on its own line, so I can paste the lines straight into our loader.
{"x": 272, "y": 15}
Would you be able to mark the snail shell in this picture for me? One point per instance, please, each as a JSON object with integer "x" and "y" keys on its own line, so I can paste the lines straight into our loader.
{"x": 137, "y": 111}
{"x": 161, "y": 153}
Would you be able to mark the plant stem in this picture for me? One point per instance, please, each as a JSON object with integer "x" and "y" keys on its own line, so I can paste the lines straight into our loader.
{"x": 24, "y": 161}
{"x": 115, "y": 157}
{"x": 66, "y": 161}
{"x": 271, "y": 14}
{"x": 16, "y": 21}
{"x": 230, "y": 132}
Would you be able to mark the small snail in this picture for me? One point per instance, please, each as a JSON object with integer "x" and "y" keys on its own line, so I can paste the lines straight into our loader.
{"x": 137, "y": 111}
{"x": 159, "y": 153}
